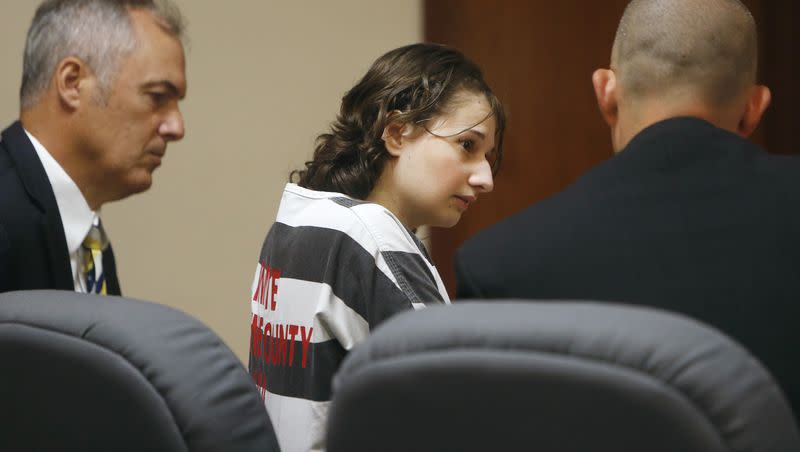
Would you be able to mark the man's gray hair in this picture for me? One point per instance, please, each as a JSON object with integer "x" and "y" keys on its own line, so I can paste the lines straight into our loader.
{"x": 98, "y": 32}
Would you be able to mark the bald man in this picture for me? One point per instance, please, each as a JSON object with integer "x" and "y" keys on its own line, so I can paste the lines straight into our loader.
{"x": 688, "y": 215}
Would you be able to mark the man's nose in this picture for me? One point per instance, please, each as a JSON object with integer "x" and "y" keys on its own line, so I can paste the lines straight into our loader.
{"x": 172, "y": 128}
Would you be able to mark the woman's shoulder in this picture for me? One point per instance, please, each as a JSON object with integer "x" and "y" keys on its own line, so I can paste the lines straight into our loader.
{"x": 370, "y": 224}
{"x": 305, "y": 207}
{"x": 331, "y": 211}
{"x": 385, "y": 228}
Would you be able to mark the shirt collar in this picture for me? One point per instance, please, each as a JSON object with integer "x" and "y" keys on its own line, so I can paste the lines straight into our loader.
{"x": 76, "y": 215}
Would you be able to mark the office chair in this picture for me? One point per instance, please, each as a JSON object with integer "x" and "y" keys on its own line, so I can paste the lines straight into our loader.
{"x": 556, "y": 377}
{"x": 91, "y": 373}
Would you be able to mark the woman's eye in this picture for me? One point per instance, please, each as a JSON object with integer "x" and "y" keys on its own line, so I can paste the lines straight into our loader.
{"x": 468, "y": 145}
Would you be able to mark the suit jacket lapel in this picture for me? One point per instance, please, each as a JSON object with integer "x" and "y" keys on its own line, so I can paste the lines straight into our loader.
{"x": 36, "y": 183}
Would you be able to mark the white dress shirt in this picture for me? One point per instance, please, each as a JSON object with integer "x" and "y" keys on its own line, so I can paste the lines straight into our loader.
{"x": 77, "y": 217}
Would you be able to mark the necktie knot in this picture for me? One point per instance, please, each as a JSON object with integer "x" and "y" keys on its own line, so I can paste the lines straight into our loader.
{"x": 96, "y": 239}
{"x": 94, "y": 244}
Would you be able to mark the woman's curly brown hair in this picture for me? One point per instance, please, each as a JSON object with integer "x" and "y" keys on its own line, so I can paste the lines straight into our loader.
{"x": 419, "y": 81}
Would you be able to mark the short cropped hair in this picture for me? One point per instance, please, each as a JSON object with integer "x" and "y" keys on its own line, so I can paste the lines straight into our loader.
{"x": 99, "y": 32}
{"x": 706, "y": 46}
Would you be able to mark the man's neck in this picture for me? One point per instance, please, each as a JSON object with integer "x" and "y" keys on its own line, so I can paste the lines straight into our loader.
{"x": 55, "y": 136}
{"x": 634, "y": 119}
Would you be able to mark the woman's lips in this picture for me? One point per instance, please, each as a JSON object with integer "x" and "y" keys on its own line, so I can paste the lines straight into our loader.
{"x": 463, "y": 201}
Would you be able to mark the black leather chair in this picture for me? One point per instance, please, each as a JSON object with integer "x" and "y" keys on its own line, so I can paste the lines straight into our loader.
{"x": 552, "y": 377}
{"x": 90, "y": 373}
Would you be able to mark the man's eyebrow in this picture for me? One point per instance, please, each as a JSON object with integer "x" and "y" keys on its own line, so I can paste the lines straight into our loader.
{"x": 166, "y": 84}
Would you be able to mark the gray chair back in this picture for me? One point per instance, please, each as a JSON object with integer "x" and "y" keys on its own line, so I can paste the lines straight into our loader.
{"x": 91, "y": 373}
{"x": 554, "y": 376}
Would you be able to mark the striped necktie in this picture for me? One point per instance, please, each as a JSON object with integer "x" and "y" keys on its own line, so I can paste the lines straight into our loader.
{"x": 93, "y": 246}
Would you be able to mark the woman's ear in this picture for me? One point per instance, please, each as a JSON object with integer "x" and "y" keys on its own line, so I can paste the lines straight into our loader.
{"x": 395, "y": 135}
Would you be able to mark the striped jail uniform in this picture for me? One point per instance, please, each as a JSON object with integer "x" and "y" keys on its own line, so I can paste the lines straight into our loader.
{"x": 331, "y": 268}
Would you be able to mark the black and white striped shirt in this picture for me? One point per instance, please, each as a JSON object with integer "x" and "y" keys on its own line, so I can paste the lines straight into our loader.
{"x": 331, "y": 268}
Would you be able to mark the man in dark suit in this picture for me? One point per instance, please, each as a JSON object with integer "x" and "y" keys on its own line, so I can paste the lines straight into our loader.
{"x": 688, "y": 216}
{"x": 99, "y": 103}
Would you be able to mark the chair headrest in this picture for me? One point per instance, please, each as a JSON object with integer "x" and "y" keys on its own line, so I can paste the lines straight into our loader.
{"x": 169, "y": 355}
{"x": 716, "y": 375}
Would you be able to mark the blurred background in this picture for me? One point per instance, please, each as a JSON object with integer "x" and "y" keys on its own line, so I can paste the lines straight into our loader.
{"x": 266, "y": 77}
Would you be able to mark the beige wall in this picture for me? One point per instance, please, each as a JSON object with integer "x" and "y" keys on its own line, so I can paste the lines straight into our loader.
{"x": 265, "y": 77}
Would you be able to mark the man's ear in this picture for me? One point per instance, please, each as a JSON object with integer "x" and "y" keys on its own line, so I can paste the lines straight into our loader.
{"x": 71, "y": 76}
{"x": 605, "y": 89}
{"x": 394, "y": 136}
{"x": 757, "y": 102}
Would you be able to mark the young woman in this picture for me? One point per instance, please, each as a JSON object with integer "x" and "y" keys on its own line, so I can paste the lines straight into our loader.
{"x": 416, "y": 142}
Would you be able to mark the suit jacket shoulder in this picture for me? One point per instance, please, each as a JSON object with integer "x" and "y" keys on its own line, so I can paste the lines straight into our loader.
{"x": 688, "y": 218}
{"x": 673, "y": 174}
{"x": 33, "y": 249}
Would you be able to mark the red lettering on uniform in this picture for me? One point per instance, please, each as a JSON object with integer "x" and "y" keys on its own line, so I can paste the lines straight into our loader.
{"x": 255, "y": 337}
{"x": 260, "y": 281}
{"x": 267, "y": 344}
{"x": 306, "y": 341}
{"x": 275, "y": 274}
{"x": 292, "y": 334}
{"x": 265, "y": 286}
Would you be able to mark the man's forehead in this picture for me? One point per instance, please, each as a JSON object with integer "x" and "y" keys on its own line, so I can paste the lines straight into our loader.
{"x": 147, "y": 25}
{"x": 159, "y": 58}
